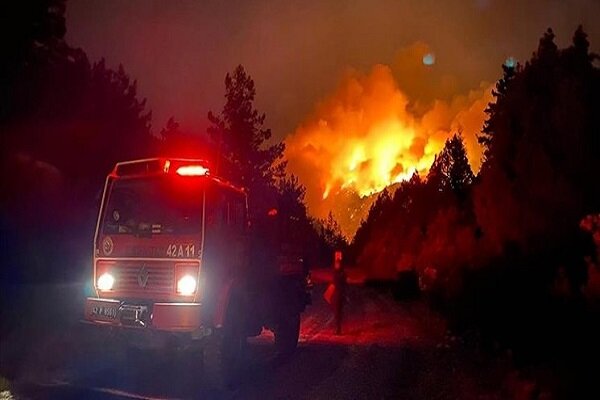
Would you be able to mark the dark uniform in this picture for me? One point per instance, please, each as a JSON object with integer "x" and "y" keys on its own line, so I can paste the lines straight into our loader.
{"x": 339, "y": 297}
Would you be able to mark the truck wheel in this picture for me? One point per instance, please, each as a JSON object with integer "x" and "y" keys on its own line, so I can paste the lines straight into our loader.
{"x": 287, "y": 333}
{"x": 223, "y": 355}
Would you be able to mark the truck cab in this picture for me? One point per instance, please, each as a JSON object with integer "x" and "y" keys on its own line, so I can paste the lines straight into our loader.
{"x": 174, "y": 253}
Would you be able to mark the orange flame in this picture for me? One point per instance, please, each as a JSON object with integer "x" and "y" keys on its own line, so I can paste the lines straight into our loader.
{"x": 366, "y": 136}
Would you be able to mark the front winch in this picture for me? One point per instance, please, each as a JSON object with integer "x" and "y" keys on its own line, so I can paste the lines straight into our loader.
{"x": 134, "y": 315}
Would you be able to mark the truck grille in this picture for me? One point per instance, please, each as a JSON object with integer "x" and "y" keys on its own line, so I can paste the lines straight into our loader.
{"x": 137, "y": 276}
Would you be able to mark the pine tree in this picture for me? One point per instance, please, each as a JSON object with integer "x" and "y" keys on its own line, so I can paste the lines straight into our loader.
{"x": 31, "y": 33}
{"x": 379, "y": 209}
{"x": 240, "y": 137}
{"x": 291, "y": 198}
{"x": 581, "y": 43}
{"x": 547, "y": 50}
{"x": 332, "y": 233}
{"x": 491, "y": 126}
{"x": 451, "y": 169}
{"x": 543, "y": 150}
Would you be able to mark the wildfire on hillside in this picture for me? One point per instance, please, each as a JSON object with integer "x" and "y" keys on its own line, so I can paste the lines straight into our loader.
{"x": 369, "y": 134}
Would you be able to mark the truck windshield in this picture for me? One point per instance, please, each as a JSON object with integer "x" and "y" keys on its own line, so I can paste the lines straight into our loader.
{"x": 154, "y": 205}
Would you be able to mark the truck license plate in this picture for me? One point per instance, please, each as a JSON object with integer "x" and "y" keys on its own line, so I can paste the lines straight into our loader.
{"x": 108, "y": 312}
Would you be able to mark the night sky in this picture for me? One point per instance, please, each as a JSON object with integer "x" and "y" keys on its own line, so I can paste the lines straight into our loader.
{"x": 296, "y": 51}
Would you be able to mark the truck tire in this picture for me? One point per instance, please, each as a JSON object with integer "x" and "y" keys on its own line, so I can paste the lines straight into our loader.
{"x": 287, "y": 333}
{"x": 223, "y": 357}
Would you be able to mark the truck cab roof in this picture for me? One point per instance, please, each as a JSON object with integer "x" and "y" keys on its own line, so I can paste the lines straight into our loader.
{"x": 170, "y": 166}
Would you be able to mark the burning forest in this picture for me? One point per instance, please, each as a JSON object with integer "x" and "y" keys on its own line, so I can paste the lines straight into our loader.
{"x": 403, "y": 194}
{"x": 370, "y": 133}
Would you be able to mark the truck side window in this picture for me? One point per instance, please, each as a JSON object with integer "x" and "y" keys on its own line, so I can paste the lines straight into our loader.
{"x": 240, "y": 214}
{"x": 226, "y": 210}
{"x": 216, "y": 214}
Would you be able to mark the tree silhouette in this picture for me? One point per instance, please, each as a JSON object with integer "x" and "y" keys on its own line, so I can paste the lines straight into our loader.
{"x": 545, "y": 141}
{"x": 240, "y": 137}
{"x": 291, "y": 200}
{"x": 451, "y": 169}
{"x": 539, "y": 178}
{"x": 369, "y": 227}
{"x": 498, "y": 123}
{"x": 541, "y": 142}
{"x": 64, "y": 123}
{"x": 333, "y": 233}
{"x": 36, "y": 30}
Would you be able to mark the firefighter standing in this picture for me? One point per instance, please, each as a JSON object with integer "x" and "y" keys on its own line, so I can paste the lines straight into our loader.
{"x": 339, "y": 283}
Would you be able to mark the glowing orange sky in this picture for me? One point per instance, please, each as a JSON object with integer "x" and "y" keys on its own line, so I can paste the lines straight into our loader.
{"x": 179, "y": 51}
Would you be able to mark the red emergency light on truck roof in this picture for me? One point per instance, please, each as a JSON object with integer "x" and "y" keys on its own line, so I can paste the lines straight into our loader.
{"x": 150, "y": 166}
{"x": 192, "y": 170}
{"x": 183, "y": 167}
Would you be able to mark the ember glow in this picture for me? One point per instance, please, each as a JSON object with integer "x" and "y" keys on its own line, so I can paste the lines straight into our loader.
{"x": 368, "y": 134}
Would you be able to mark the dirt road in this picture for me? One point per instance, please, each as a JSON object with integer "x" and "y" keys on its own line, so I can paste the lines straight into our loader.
{"x": 388, "y": 350}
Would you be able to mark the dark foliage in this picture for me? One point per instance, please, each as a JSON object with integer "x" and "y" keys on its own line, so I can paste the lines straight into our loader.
{"x": 241, "y": 141}
{"x": 503, "y": 253}
{"x": 424, "y": 219}
{"x": 244, "y": 155}
{"x": 29, "y": 29}
{"x": 64, "y": 124}
{"x": 451, "y": 169}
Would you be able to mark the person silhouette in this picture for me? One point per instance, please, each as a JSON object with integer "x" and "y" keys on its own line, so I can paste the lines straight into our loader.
{"x": 339, "y": 283}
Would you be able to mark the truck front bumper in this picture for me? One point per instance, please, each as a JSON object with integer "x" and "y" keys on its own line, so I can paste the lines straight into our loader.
{"x": 172, "y": 317}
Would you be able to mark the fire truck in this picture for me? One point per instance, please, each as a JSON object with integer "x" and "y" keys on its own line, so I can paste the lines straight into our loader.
{"x": 176, "y": 256}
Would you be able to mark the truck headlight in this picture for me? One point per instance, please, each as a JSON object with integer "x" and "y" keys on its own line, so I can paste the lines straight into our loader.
{"x": 186, "y": 285}
{"x": 106, "y": 281}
